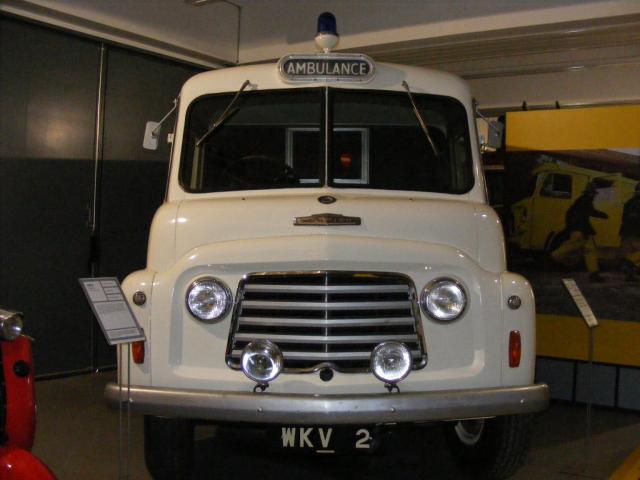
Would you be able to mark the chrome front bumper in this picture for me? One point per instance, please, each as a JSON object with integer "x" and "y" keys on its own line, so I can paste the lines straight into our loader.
{"x": 330, "y": 409}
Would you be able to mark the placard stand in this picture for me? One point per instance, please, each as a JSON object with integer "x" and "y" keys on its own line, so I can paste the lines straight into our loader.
{"x": 124, "y": 447}
{"x": 120, "y": 327}
{"x": 591, "y": 322}
{"x": 589, "y": 399}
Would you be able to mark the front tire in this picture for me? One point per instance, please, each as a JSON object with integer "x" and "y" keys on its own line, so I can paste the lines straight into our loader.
{"x": 168, "y": 447}
{"x": 490, "y": 449}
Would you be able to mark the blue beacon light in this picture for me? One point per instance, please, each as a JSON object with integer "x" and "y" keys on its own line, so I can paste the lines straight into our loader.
{"x": 327, "y": 24}
{"x": 327, "y": 36}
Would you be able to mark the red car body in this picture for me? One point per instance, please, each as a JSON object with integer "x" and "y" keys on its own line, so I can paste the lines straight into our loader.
{"x": 18, "y": 413}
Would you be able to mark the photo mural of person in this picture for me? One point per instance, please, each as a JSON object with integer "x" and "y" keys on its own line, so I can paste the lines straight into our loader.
{"x": 581, "y": 233}
{"x": 568, "y": 214}
{"x": 572, "y": 210}
{"x": 630, "y": 236}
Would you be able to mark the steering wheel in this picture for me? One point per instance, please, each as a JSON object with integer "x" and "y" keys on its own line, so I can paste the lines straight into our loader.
{"x": 264, "y": 169}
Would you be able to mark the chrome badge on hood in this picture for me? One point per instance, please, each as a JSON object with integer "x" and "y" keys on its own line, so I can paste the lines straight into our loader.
{"x": 324, "y": 219}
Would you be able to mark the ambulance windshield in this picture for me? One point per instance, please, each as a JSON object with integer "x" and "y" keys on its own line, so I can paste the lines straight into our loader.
{"x": 343, "y": 138}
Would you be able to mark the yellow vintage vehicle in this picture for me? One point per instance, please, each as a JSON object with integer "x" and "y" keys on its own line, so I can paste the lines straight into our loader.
{"x": 539, "y": 218}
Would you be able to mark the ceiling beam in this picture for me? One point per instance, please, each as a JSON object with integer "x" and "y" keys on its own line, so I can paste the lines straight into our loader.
{"x": 524, "y": 50}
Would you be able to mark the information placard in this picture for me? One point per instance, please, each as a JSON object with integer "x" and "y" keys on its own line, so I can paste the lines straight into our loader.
{"x": 112, "y": 311}
{"x": 581, "y": 302}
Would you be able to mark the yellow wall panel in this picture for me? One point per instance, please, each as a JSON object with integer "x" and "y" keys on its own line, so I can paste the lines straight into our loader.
{"x": 615, "y": 341}
{"x": 574, "y": 129}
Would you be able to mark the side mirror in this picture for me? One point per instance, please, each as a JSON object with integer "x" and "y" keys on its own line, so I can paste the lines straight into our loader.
{"x": 495, "y": 134}
{"x": 151, "y": 136}
{"x": 495, "y": 130}
{"x": 152, "y": 130}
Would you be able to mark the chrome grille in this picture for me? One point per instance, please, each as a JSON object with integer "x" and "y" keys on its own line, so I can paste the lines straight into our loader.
{"x": 326, "y": 319}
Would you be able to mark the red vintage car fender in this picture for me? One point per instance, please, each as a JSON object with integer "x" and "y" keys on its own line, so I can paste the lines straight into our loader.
{"x": 18, "y": 464}
{"x": 18, "y": 389}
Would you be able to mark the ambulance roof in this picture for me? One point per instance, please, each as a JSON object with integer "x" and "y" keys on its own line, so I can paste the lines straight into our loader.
{"x": 387, "y": 77}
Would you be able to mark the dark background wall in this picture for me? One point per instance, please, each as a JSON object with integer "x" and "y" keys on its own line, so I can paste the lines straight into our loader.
{"x": 49, "y": 84}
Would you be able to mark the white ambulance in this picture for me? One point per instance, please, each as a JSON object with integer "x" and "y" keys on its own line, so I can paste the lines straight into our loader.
{"x": 326, "y": 265}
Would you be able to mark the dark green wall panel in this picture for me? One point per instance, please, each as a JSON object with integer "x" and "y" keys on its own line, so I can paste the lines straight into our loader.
{"x": 48, "y": 93}
{"x": 48, "y": 86}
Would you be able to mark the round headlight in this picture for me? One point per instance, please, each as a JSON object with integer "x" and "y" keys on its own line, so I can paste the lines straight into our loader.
{"x": 262, "y": 361}
{"x": 391, "y": 361}
{"x": 208, "y": 299}
{"x": 10, "y": 325}
{"x": 443, "y": 299}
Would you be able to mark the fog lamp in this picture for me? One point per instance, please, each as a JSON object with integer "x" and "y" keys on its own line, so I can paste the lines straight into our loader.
{"x": 262, "y": 361}
{"x": 10, "y": 324}
{"x": 391, "y": 362}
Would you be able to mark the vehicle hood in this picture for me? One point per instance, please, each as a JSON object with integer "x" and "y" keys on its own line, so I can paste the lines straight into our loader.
{"x": 472, "y": 228}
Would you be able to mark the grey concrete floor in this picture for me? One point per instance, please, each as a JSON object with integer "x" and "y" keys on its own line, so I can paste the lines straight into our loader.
{"x": 77, "y": 436}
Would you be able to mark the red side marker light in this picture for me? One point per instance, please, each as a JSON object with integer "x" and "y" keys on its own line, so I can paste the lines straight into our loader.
{"x": 515, "y": 348}
{"x": 137, "y": 352}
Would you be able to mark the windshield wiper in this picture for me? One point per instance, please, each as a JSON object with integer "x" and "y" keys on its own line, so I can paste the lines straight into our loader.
{"x": 228, "y": 112}
{"x": 421, "y": 121}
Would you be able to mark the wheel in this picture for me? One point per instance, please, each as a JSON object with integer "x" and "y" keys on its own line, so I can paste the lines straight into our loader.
{"x": 168, "y": 447}
{"x": 490, "y": 449}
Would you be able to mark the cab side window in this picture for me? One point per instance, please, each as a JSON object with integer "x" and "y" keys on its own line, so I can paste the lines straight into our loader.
{"x": 556, "y": 186}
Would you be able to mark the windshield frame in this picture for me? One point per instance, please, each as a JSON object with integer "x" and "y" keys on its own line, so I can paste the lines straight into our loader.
{"x": 185, "y": 140}
{"x": 332, "y": 182}
{"x": 326, "y": 179}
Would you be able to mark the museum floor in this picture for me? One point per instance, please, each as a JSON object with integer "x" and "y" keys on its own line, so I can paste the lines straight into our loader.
{"x": 77, "y": 436}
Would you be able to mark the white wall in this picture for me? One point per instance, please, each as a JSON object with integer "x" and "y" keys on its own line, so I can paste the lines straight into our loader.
{"x": 606, "y": 84}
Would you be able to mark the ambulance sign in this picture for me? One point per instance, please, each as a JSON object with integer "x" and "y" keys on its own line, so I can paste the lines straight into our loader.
{"x": 334, "y": 67}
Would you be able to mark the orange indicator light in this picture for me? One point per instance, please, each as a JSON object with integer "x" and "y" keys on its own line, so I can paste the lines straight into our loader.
{"x": 137, "y": 352}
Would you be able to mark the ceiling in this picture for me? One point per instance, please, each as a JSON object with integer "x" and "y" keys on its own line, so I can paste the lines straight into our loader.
{"x": 471, "y": 38}
{"x": 523, "y": 50}
{"x": 206, "y": 35}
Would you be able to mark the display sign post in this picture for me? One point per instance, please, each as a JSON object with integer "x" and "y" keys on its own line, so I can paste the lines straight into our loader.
{"x": 120, "y": 328}
{"x": 592, "y": 322}
{"x": 124, "y": 455}
{"x": 112, "y": 310}
{"x": 581, "y": 302}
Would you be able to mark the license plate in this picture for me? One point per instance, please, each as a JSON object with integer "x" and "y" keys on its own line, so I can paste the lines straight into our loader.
{"x": 323, "y": 440}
